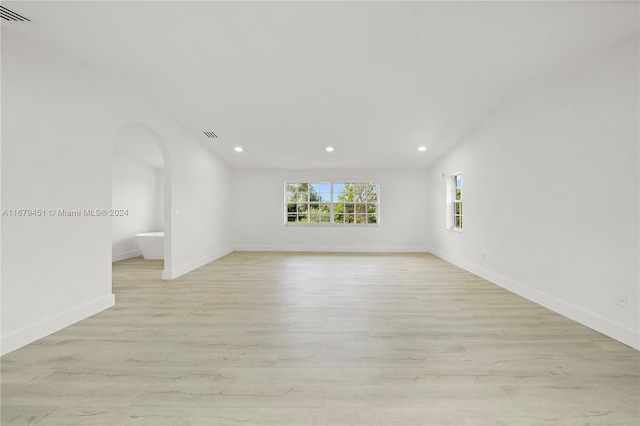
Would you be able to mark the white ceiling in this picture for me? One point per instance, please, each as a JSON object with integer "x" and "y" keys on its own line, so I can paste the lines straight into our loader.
{"x": 286, "y": 79}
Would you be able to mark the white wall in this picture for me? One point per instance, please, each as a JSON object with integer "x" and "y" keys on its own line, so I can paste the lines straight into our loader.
{"x": 136, "y": 188}
{"x": 60, "y": 120}
{"x": 201, "y": 194}
{"x": 54, "y": 157}
{"x": 258, "y": 206}
{"x": 550, "y": 184}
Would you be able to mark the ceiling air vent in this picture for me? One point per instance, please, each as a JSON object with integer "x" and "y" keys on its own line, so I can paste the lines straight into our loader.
{"x": 8, "y": 15}
{"x": 211, "y": 135}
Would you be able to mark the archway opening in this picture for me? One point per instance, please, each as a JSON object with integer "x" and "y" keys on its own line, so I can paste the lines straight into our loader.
{"x": 141, "y": 191}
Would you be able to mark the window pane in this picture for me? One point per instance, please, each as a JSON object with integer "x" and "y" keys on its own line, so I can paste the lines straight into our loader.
{"x": 314, "y": 206}
{"x": 302, "y": 208}
{"x": 303, "y": 197}
{"x": 361, "y": 208}
{"x": 458, "y": 181}
{"x": 361, "y": 218}
{"x": 347, "y": 193}
{"x": 324, "y": 217}
{"x": 325, "y": 187}
{"x": 338, "y": 218}
{"x": 458, "y": 194}
{"x": 372, "y": 192}
{"x": 314, "y": 217}
{"x": 338, "y": 189}
{"x": 291, "y": 208}
{"x": 291, "y": 218}
{"x": 458, "y": 208}
{"x": 348, "y": 218}
{"x": 325, "y": 196}
{"x": 364, "y": 191}
{"x": 314, "y": 187}
{"x": 372, "y": 208}
{"x": 371, "y": 218}
{"x": 338, "y": 208}
{"x": 325, "y": 208}
{"x": 349, "y": 208}
{"x": 291, "y": 188}
{"x": 458, "y": 221}
{"x": 358, "y": 195}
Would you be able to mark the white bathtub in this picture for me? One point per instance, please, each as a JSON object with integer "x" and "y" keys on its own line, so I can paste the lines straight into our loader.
{"x": 151, "y": 244}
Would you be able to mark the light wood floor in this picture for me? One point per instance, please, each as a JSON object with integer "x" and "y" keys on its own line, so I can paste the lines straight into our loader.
{"x": 329, "y": 339}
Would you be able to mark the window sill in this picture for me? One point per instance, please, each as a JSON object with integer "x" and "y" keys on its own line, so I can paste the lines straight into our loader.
{"x": 459, "y": 230}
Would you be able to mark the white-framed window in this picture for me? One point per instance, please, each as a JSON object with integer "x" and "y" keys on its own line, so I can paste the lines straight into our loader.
{"x": 454, "y": 202}
{"x": 340, "y": 203}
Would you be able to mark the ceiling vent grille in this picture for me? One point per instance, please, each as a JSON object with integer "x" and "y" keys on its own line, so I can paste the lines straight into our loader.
{"x": 8, "y": 15}
{"x": 211, "y": 135}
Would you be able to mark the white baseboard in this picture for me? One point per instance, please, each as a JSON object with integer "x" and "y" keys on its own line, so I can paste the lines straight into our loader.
{"x": 170, "y": 274}
{"x": 596, "y": 322}
{"x": 335, "y": 249}
{"x": 43, "y": 328}
{"x": 116, "y": 257}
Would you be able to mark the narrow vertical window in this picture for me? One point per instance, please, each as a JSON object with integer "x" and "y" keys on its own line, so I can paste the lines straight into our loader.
{"x": 454, "y": 202}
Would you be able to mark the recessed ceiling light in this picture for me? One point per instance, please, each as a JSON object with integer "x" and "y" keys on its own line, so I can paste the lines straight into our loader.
{"x": 329, "y": 149}
{"x": 422, "y": 148}
{"x": 238, "y": 149}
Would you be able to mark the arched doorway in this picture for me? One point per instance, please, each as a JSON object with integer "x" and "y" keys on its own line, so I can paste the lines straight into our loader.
{"x": 141, "y": 195}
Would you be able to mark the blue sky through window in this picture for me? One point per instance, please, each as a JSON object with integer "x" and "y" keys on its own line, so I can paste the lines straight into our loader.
{"x": 338, "y": 189}
{"x": 325, "y": 192}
